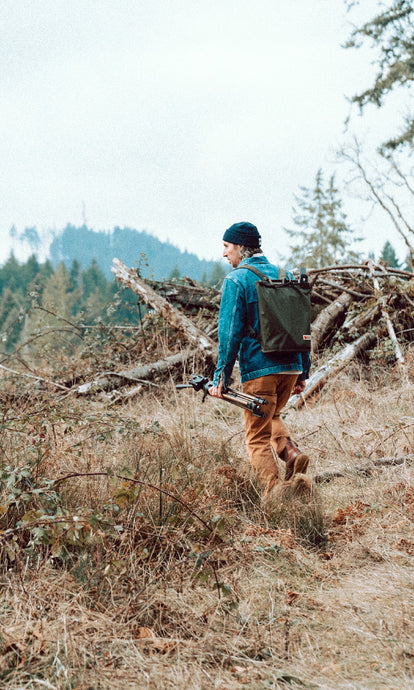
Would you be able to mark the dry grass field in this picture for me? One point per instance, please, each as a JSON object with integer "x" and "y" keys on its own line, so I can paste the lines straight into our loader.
{"x": 135, "y": 552}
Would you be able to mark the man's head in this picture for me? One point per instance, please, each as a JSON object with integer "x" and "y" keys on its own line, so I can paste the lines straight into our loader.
{"x": 237, "y": 237}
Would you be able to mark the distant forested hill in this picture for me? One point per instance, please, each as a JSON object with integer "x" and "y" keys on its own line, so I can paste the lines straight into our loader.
{"x": 127, "y": 244}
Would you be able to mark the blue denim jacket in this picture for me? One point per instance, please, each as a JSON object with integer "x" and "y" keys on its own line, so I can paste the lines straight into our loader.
{"x": 238, "y": 308}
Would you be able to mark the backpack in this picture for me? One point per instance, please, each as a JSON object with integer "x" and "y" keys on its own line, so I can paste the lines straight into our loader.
{"x": 284, "y": 313}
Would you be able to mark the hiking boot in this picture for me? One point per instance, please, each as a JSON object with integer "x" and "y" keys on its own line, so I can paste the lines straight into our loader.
{"x": 296, "y": 461}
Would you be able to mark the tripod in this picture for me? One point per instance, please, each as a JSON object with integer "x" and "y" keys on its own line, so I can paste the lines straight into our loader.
{"x": 235, "y": 397}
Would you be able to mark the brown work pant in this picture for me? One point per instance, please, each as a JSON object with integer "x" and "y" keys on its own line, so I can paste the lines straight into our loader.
{"x": 264, "y": 433}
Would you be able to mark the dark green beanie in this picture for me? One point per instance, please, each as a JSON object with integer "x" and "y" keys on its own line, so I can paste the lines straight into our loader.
{"x": 245, "y": 234}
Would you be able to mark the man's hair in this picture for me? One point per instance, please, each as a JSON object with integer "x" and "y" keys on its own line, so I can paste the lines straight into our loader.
{"x": 247, "y": 252}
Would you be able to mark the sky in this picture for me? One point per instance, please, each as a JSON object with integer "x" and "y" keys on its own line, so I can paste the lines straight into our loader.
{"x": 178, "y": 117}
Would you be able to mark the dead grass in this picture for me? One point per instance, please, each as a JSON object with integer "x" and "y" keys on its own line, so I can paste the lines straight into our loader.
{"x": 198, "y": 585}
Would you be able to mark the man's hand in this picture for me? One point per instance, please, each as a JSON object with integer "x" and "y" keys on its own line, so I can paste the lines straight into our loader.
{"x": 216, "y": 392}
{"x": 298, "y": 388}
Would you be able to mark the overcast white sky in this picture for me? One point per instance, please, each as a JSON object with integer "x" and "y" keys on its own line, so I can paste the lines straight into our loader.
{"x": 176, "y": 117}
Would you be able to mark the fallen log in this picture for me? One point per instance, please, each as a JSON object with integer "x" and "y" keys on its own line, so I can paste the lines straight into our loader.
{"x": 139, "y": 374}
{"x": 356, "y": 323}
{"x": 172, "y": 316}
{"x": 333, "y": 366}
{"x": 342, "y": 288}
{"x": 345, "y": 268}
{"x": 187, "y": 295}
{"x": 318, "y": 296}
{"x": 327, "y": 318}
{"x": 364, "y": 470}
{"x": 32, "y": 376}
{"x": 122, "y": 397}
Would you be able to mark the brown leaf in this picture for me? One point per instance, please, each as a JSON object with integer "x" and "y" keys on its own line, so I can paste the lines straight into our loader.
{"x": 291, "y": 597}
{"x": 145, "y": 633}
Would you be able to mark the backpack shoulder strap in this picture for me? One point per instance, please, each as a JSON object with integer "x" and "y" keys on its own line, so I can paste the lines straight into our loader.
{"x": 264, "y": 277}
{"x": 260, "y": 274}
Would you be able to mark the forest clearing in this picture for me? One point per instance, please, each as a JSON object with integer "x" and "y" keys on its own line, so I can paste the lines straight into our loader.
{"x": 134, "y": 548}
{"x": 138, "y": 548}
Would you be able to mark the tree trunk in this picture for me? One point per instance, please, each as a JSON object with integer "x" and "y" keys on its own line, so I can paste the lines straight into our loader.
{"x": 365, "y": 470}
{"x": 138, "y": 374}
{"x": 361, "y": 320}
{"x": 327, "y": 318}
{"x": 187, "y": 295}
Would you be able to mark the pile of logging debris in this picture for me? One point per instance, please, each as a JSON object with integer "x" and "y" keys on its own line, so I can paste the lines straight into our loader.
{"x": 356, "y": 310}
{"x": 354, "y": 307}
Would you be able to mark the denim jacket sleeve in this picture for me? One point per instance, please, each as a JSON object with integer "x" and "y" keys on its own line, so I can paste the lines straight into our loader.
{"x": 306, "y": 364}
{"x": 231, "y": 329}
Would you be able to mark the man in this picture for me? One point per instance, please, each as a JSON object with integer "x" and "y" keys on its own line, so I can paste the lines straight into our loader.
{"x": 274, "y": 377}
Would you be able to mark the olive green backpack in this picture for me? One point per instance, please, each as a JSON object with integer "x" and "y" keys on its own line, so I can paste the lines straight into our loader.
{"x": 284, "y": 313}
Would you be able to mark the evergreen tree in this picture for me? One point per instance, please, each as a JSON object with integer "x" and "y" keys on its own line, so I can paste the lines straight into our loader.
{"x": 56, "y": 293}
{"x": 389, "y": 256}
{"x": 34, "y": 289}
{"x": 175, "y": 273}
{"x": 123, "y": 306}
{"x": 93, "y": 307}
{"x": 11, "y": 320}
{"x": 10, "y": 275}
{"x": 391, "y": 34}
{"x": 408, "y": 266}
{"x": 52, "y": 317}
{"x": 46, "y": 270}
{"x": 94, "y": 280}
{"x": 29, "y": 271}
{"x": 75, "y": 274}
{"x": 322, "y": 236}
{"x": 217, "y": 275}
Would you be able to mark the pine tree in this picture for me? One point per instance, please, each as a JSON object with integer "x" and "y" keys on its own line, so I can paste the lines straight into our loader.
{"x": 217, "y": 275}
{"x": 10, "y": 275}
{"x": 174, "y": 273}
{"x": 391, "y": 35}
{"x": 408, "y": 265}
{"x": 58, "y": 295}
{"x": 11, "y": 319}
{"x": 322, "y": 236}
{"x": 93, "y": 279}
{"x": 52, "y": 316}
{"x": 75, "y": 274}
{"x": 29, "y": 271}
{"x": 389, "y": 256}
